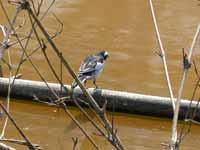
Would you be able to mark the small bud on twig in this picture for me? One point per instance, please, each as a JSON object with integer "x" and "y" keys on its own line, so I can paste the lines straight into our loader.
{"x": 186, "y": 63}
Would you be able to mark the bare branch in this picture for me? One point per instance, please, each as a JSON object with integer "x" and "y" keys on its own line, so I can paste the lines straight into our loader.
{"x": 20, "y": 142}
{"x": 90, "y": 98}
{"x": 21, "y": 25}
{"x": 4, "y": 30}
{"x": 79, "y": 125}
{"x": 66, "y": 64}
{"x": 61, "y": 26}
{"x": 6, "y": 147}
{"x": 180, "y": 91}
{"x": 30, "y": 145}
{"x": 162, "y": 54}
{"x": 75, "y": 141}
{"x": 39, "y": 7}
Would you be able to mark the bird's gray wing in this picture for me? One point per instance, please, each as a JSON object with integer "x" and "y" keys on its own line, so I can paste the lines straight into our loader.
{"x": 89, "y": 64}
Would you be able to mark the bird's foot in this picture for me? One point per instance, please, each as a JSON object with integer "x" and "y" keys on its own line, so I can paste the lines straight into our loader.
{"x": 97, "y": 87}
{"x": 85, "y": 85}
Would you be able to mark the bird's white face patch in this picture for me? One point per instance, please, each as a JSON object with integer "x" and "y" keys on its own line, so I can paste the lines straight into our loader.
{"x": 105, "y": 54}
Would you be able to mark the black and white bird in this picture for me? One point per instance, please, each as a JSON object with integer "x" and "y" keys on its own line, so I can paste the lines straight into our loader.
{"x": 91, "y": 68}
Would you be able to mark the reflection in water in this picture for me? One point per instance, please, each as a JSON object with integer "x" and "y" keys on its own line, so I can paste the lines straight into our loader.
{"x": 53, "y": 129}
{"x": 81, "y": 119}
{"x": 125, "y": 30}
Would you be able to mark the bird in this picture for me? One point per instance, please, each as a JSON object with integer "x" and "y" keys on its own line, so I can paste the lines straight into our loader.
{"x": 91, "y": 67}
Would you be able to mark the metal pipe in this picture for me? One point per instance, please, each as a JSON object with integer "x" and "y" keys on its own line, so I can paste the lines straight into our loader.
{"x": 124, "y": 101}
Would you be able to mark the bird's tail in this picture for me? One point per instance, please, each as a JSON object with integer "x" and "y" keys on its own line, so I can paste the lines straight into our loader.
{"x": 75, "y": 84}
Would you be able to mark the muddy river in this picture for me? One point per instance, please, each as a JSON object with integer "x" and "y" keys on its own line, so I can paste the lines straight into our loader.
{"x": 125, "y": 29}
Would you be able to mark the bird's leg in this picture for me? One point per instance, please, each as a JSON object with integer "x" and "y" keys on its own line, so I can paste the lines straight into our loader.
{"x": 94, "y": 82}
{"x": 85, "y": 83}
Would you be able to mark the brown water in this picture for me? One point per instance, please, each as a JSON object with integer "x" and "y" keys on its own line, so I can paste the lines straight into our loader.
{"x": 125, "y": 30}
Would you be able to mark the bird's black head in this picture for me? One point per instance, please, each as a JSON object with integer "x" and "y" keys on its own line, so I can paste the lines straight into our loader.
{"x": 104, "y": 54}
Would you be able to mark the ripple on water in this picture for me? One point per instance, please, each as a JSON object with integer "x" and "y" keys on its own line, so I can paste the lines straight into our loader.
{"x": 68, "y": 6}
{"x": 119, "y": 55}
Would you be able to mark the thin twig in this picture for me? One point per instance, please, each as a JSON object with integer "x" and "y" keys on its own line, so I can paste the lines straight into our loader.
{"x": 75, "y": 141}
{"x": 43, "y": 49}
{"x": 182, "y": 134}
{"x": 191, "y": 113}
{"x": 77, "y": 104}
{"x": 39, "y": 7}
{"x": 180, "y": 91}
{"x": 30, "y": 145}
{"x": 89, "y": 118}
{"x": 162, "y": 56}
{"x": 20, "y": 142}
{"x": 6, "y": 40}
{"x": 93, "y": 111}
{"x": 66, "y": 64}
{"x": 80, "y": 127}
{"x": 6, "y": 147}
{"x": 28, "y": 39}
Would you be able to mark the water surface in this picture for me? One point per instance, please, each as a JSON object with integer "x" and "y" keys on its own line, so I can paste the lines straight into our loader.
{"x": 125, "y": 29}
